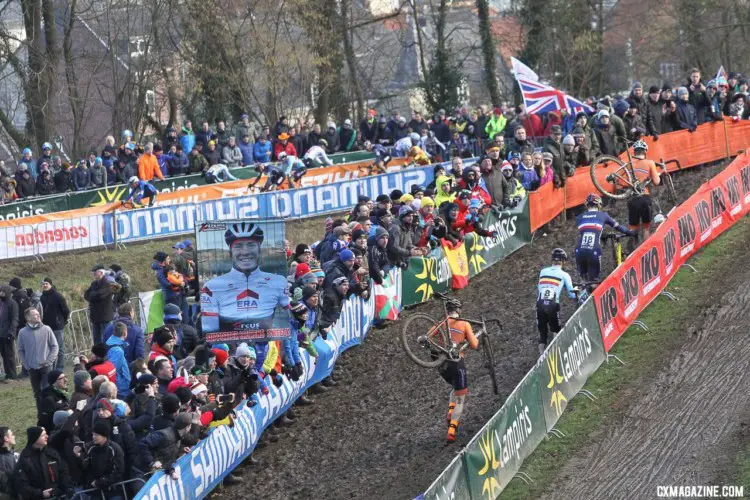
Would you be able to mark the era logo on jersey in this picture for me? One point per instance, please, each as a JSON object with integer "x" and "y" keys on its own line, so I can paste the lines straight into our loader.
{"x": 247, "y": 301}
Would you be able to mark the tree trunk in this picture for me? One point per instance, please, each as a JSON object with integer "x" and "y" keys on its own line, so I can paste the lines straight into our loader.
{"x": 488, "y": 51}
{"x": 351, "y": 60}
{"x": 43, "y": 61}
{"x": 71, "y": 78}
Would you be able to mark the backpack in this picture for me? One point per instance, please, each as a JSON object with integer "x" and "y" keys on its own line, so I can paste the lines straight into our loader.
{"x": 123, "y": 295}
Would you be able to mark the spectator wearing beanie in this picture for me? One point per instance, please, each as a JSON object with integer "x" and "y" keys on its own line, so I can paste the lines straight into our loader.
{"x": 100, "y": 365}
{"x": 186, "y": 336}
{"x": 65, "y": 438}
{"x": 82, "y": 389}
{"x": 117, "y": 345}
{"x": 55, "y": 315}
{"x": 161, "y": 448}
{"x": 339, "y": 267}
{"x": 122, "y": 433}
{"x": 107, "y": 390}
{"x": 377, "y": 255}
{"x": 104, "y": 461}
{"x": 54, "y": 397}
{"x": 163, "y": 344}
{"x": 40, "y": 471}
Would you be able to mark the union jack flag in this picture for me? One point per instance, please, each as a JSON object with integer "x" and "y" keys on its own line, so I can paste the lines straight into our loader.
{"x": 540, "y": 98}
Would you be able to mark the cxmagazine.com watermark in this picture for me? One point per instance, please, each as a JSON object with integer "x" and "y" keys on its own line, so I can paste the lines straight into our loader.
{"x": 706, "y": 491}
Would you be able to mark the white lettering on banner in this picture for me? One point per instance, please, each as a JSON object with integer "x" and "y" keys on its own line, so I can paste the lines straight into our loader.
{"x": 506, "y": 228}
{"x": 647, "y": 289}
{"x": 247, "y": 207}
{"x": 632, "y": 307}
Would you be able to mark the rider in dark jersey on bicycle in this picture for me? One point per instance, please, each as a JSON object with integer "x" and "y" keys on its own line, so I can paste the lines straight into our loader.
{"x": 590, "y": 226}
{"x": 275, "y": 176}
{"x": 640, "y": 212}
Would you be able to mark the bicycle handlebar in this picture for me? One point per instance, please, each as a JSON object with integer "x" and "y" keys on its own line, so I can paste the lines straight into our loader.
{"x": 615, "y": 236}
{"x": 676, "y": 162}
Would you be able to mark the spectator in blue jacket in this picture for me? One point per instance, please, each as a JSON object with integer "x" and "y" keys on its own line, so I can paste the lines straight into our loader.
{"x": 81, "y": 177}
{"x": 526, "y": 173}
{"x": 246, "y": 148}
{"x": 262, "y": 150}
{"x": 116, "y": 355}
{"x": 135, "y": 339}
{"x": 187, "y": 136}
{"x": 30, "y": 162}
{"x": 178, "y": 162}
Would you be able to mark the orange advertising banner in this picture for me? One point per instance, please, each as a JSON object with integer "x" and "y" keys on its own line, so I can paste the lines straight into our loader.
{"x": 314, "y": 177}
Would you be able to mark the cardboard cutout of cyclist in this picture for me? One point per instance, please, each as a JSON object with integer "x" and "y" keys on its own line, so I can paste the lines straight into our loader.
{"x": 244, "y": 291}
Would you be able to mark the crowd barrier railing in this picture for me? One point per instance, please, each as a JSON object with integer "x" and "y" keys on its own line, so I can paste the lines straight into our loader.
{"x": 72, "y": 200}
{"x": 174, "y": 190}
{"x": 709, "y": 143}
{"x": 494, "y": 456}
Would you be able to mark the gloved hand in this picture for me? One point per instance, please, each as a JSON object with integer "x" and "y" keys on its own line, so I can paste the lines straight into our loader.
{"x": 493, "y": 234}
{"x": 632, "y": 232}
{"x": 467, "y": 217}
{"x": 691, "y": 130}
{"x": 264, "y": 390}
{"x": 299, "y": 370}
{"x": 655, "y": 137}
{"x": 276, "y": 378}
{"x": 324, "y": 334}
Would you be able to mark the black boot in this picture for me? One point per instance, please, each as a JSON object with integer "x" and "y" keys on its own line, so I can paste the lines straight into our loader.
{"x": 305, "y": 401}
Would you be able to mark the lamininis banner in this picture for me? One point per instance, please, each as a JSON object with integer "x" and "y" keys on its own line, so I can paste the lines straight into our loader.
{"x": 646, "y": 272}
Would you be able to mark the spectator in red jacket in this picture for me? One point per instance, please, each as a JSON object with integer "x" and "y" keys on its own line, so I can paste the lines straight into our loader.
{"x": 284, "y": 145}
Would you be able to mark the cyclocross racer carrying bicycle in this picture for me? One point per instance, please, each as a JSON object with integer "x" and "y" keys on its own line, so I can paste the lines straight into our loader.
{"x": 590, "y": 226}
{"x": 454, "y": 372}
{"x": 640, "y": 212}
{"x": 552, "y": 280}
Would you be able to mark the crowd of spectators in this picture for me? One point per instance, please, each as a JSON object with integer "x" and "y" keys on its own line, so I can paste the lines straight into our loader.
{"x": 213, "y": 151}
{"x": 139, "y": 401}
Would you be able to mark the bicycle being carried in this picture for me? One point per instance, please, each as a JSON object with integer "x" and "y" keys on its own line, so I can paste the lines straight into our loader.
{"x": 634, "y": 176}
{"x": 441, "y": 344}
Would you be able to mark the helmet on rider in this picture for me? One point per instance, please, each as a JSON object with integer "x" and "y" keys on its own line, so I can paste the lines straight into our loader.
{"x": 414, "y": 137}
{"x": 133, "y": 180}
{"x": 559, "y": 255}
{"x": 453, "y": 305}
{"x": 641, "y": 145}
{"x": 243, "y": 230}
{"x": 593, "y": 200}
{"x": 323, "y": 142}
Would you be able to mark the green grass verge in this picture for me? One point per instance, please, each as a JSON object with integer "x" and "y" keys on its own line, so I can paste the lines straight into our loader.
{"x": 641, "y": 352}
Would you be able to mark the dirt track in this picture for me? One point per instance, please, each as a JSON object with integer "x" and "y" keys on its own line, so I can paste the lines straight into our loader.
{"x": 381, "y": 433}
{"x": 686, "y": 424}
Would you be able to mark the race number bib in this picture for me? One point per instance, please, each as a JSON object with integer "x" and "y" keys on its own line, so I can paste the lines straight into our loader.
{"x": 547, "y": 294}
{"x": 587, "y": 240}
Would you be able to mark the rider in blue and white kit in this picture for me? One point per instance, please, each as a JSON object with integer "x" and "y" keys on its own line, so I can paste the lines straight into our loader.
{"x": 590, "y": 226}
{"x": 141, "y": 189}
{"x": 552, "y": 280}
{"x": 243, "y": 301}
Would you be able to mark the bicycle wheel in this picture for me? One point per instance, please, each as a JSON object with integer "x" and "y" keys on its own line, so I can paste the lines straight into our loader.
{"x": 621, "y": 179}
{"x": 436, "y": 334}
{"x": 489, "y": 360}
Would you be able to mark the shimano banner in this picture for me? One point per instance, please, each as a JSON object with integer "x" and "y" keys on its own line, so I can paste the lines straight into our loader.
{"x": 169, "y": 220}
{"x": 205, "y": 466}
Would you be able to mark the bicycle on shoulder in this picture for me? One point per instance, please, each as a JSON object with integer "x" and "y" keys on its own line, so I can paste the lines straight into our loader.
{"x": 441, "y": 344}
{"x": 633, "y": 177}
